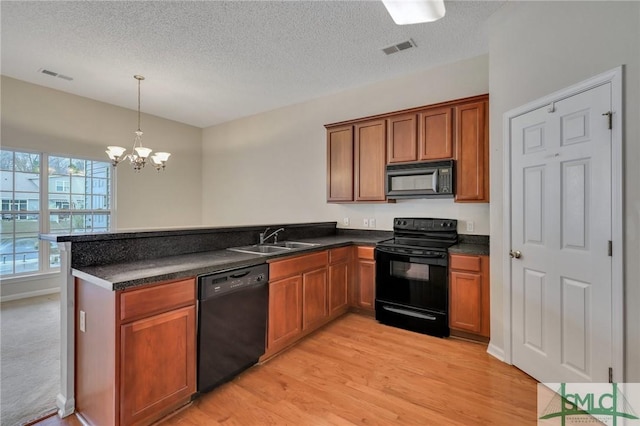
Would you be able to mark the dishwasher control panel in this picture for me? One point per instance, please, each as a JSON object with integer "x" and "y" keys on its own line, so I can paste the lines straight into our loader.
{"x": 231, "y": 280}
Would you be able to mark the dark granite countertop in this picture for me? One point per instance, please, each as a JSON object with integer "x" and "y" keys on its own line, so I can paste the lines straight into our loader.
{"x": 471, "y": 244}
{"x": 122, "y": 275}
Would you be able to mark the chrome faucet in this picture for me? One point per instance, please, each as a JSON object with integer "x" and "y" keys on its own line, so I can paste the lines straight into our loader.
{"x": 274, "y": 234}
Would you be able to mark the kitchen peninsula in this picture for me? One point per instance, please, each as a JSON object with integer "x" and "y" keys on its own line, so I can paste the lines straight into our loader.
{"x": 124, "y": 287}
{"x": 129, "y": 293}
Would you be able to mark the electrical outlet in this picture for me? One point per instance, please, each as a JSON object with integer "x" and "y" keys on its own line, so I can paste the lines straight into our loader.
{"x": 470, "y": 226}
{"x": 372, "y": 222}
{"x": 83, "y": 321}
{"x": 365, "y": 222}
{"x": 345, "y": 221}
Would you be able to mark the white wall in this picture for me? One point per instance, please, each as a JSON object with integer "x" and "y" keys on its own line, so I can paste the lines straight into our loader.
{"x": 271, "y": 167}
{"x": 42, "y": 119}
{"x": 537, "y": 48}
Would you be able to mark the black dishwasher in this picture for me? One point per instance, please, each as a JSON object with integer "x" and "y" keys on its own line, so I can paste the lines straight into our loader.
{"x": 232, "y": 323}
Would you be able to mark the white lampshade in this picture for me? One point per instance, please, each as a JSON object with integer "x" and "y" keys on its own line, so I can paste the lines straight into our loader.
{"x": 143, "y": 152}
{"x": 161, "y": 156}
{"x": 406, "y": 12}
{"x": 115, "y": 151}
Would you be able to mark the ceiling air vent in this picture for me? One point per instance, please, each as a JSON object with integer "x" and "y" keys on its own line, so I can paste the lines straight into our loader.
{"x": 55, "y": 74}
{"x": 398, "y": 47}
{"x": 47, "y": 72}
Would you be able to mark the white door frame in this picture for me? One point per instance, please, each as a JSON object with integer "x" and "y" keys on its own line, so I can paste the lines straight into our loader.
{"x": 614, "y": 77}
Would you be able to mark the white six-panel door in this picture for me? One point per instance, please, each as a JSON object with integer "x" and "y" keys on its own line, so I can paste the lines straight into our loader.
{"x": 561, "y": 270}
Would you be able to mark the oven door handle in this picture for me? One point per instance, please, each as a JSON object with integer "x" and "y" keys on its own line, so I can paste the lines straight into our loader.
{"x": 410, "y": 255}
{"x": 409, "y": 313}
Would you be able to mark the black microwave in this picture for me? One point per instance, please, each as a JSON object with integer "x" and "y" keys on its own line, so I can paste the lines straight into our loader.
{"x": 429, "y": 179}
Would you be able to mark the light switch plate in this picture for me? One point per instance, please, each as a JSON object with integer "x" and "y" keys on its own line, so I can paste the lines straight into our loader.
{"x": 372, "y": 222}
{"x": 470, "y": 226}
{"x": 345, "y": 221}
{"x": 365, "y": 222}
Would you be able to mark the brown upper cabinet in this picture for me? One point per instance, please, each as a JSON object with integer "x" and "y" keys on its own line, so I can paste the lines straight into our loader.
{"x": 358, "y": 150}
{"x": 340, "y": 163}
{"x": 420, "y": 137}
{"x": 402, "y": 137}
{"x": 472, "y": 153}
{"x": 356, "y": 158}
{"x": 370, "y": 160}
{"x": 435, "y": 142}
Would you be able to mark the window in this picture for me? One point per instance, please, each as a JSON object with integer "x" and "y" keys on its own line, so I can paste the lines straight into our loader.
{"x": 62, "y": 185}
{"x": 69, "y": 195}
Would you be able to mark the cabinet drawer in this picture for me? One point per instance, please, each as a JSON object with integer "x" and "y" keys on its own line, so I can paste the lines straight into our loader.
{"x": 297, "y": 265}
{"x": 339, "y": 254}
{"x": 466, "y": 263}
{"x": 365, "y": 253}
{"x": 160, "y": 298}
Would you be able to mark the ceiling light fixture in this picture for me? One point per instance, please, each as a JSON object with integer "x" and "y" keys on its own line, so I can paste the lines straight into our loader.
{"x": 139, "y": 154}
{"x": 406, "y": 12}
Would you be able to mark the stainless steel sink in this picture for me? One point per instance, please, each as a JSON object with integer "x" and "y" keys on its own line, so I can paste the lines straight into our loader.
{"x": 295, "y": 244}
{"x": 265, "y": 249}
{"x": 260, "y": 249}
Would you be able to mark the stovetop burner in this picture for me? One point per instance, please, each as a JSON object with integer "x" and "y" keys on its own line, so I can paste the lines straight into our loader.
{"x": 423, "y": 233}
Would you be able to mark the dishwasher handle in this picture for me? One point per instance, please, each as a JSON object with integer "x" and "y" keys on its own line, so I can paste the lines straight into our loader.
{"x": 217, "y": 284}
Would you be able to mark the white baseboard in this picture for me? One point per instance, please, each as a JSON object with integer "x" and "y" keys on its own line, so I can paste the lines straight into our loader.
{"x": 495, "y": 352}
{"x": 28, "y": 294}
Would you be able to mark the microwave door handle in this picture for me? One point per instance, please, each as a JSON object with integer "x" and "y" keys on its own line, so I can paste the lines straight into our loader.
{"x": 434, "y": 181}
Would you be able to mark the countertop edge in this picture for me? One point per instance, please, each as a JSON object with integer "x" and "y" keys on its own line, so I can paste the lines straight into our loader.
{"x": 470, "y": 249}
{"x": 115, "y": 277}
{"x": 92, "y": 279}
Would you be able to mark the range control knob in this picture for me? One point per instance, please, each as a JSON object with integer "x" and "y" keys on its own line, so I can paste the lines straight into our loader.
{"x": 260, "y": 277}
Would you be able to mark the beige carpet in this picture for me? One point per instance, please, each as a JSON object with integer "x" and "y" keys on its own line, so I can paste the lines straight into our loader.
{"x": 30, "y": 358}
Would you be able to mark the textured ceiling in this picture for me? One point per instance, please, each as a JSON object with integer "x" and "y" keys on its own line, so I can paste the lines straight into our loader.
{"x": 207, "y": 62}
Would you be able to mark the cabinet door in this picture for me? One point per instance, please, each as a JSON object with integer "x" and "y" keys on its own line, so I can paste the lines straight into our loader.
{"x": 435, "y": 141}
{"x": 370, "y": 160}
{"x": 466, "y": 301}
{"x": 157, "y": 364}
{"x": 285, "y": 311}
{"x": 366, "y": 283}
{"x": 314, "y": 298}
{"x": 338, "y": 285}
{"x": 472, "y": 154}
{"x": 340, "y": 164}
{"x": 402, "y": 139}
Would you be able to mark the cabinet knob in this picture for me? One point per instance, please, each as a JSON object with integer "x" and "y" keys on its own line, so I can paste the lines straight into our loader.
{"x": 515, "y": 254}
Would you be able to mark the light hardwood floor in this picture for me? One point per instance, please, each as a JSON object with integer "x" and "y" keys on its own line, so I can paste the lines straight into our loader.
{"x": 356, "y": 371}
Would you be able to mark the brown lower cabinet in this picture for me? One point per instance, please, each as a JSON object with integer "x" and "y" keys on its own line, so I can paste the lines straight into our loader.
{"x": 364, "y": 295}
{"x": 135, "y": 352}
{"x": 305, "y": 292}
{"x": 340, "y": 272}
{"x": 469, "y": 294}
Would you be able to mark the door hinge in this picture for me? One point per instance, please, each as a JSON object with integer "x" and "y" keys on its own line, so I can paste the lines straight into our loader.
{"x": 610, "y": 375}
{"x": 610, "y": 248}
{"x": 610, "y": 115}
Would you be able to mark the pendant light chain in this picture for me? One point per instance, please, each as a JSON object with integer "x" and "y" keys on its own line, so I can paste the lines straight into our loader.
{"x": 138, "y": 102}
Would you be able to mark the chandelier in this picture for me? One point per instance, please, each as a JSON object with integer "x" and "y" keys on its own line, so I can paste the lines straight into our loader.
{"x": 139, "y": 154}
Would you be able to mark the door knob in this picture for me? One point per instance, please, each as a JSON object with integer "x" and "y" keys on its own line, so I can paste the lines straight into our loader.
{"x": 515, "y": 254}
